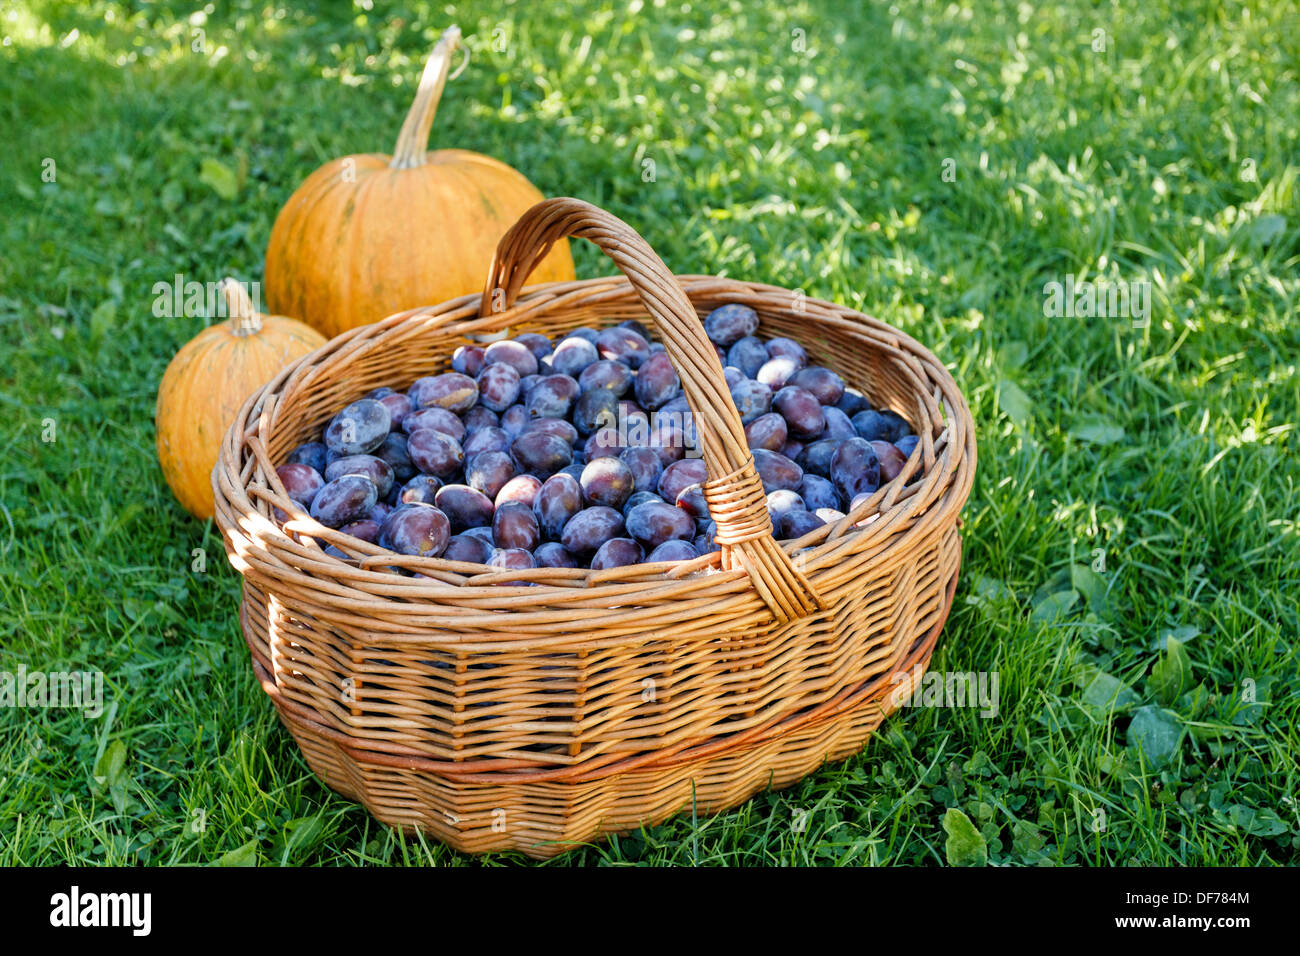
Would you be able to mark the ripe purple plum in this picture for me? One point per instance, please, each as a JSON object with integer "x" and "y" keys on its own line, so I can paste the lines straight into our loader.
{"x": 463, "y": 547}
{"x": 818, "y": 492}
{"x": 367, "y": 529}
{"x": 876, "y": 425}
{"x": 657, "y": 382}
{"x": 395, "y": 451}
{"x": 487, "y": 438}
{"x": 855, "y": 469}
{"x": 852, "y": 402}
{"x": 520, "y": 488}
{"x": 776, "y": 471}
{"x": 436, "y": 419}
{"x": 551, "y": 554}
{"x": 586, "y": 531}
{"x": 498, "y": 383}
{"x": 489, "y": 471}
{"x": 617, "y": 553}
{"x": 801, "y": 411}
{"x": 467, "y": 360}
{"x": 796, "y": 524}
{"x": 574, "y": 354}
{"x": 435, "y": 453}
{"x": 311, "y": 454}
{"x": 536, "y": 343}
{"x": 398, "y": 405}
{"x": 748, "y": 354}
{"x": 344, "y": 500}
{"x": 817, "y": 456}
{"x": 728, "y": 324}
{"x": 359, "y": 428}
{"x": 480, "y": 417}
{"x": 552, "y": 396}
{"x": 675, "y": 550}
{"x": 553, "y": 426}
{"x": 419, "y": 490}
{"x": 891, "y": 460}
{"x": 655, "y": 522}
{"x": 679, "y": 475}
{"x": 513, "y": 420}
{"x": 838, "y": 425}
{"x": 376, "y": 469}
{"x": 595, "y": 409}
{"x": 780, "y": 347}
{"x": 540, "y": 454}
{"x": 821, "y": 381}
{"x": 607, "y": 481}
{"x": 767, "y": 431}
{"x": 451, "y": 390}
{"x": 515, "y": 526}
{"x": 619, "y": 344}
{"x": 512, "y": 559}
{"x": 752, "y": 399}
{"x": 606, "y": 374}
{"x": 465, "y": 507}
{"x": 645, "y": 466}
{"x": 603, "y": 443}
{"x": 301, "y": 482}
{"x": 557, "y": 501}
{"x": 515, "y": 354}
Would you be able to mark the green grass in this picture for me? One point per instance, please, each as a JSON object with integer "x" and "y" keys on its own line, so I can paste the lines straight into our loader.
{"x": 1168, "y": 452}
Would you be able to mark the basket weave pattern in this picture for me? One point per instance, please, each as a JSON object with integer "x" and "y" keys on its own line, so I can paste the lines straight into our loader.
{"x": 498, "y": 715}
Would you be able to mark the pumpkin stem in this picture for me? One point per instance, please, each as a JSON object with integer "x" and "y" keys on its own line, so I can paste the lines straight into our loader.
{"x": 413, "y": 140}
{"x": 244, "y": 319}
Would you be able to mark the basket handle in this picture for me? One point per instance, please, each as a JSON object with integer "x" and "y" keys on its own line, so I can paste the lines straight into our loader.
{"x": 734, "y": 491}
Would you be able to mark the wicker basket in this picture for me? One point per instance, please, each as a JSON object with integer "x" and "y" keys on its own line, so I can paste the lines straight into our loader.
{"x": 496, "y": 715}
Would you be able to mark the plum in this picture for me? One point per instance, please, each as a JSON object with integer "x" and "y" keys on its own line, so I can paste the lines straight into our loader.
{"x": 617, "y": 553}
{"x": 416, "y": 529}
{"x": 515, "y": 526}
{"x": 451, "y": 390}
{"x": 728, "y": 324}
{"x": 586, "y": 531}
{"x": 344, "y": 500}
{"x": 657, "y": 382}
{"x": 515, "y": 354}
{"x": 465, "y": 507}
{"x": 655, "y": 522}
{"x": 359, "y": 428}
{"x": 855, "y": 469}
{"x": 301, "y": 482}
{"x": 435, "y": 453}
{"x": 558, "y": 500}
{"x": 376, "y": 469}
{"x": 489, "y": 471}
{"x": 607, "y": 481}
{"x": 437, "y": 419}
{"x": 822, "y": 382}
{"x": 801, "y": 410}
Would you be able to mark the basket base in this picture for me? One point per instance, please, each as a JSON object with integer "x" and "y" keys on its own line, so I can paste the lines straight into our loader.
{"x": 544, "y": 819}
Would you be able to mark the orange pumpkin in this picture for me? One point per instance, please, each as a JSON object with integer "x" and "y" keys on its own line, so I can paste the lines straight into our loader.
{"x": 369, "y": 235}
{"x": 208, "y": 381}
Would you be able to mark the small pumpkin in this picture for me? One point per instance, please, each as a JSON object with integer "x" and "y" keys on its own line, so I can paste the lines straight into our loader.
{"x": 369, "y": 235}
{"x": 209, "y": 379}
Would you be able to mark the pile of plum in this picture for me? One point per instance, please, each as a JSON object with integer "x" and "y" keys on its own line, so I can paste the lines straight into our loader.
{"x": 583, "y": 453}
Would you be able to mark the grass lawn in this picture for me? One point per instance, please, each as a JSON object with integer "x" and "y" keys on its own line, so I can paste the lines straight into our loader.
{"x": 936, "y": 164}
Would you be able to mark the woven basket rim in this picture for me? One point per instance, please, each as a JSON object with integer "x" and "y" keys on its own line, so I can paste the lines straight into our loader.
{"x": 615, "y": 585}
